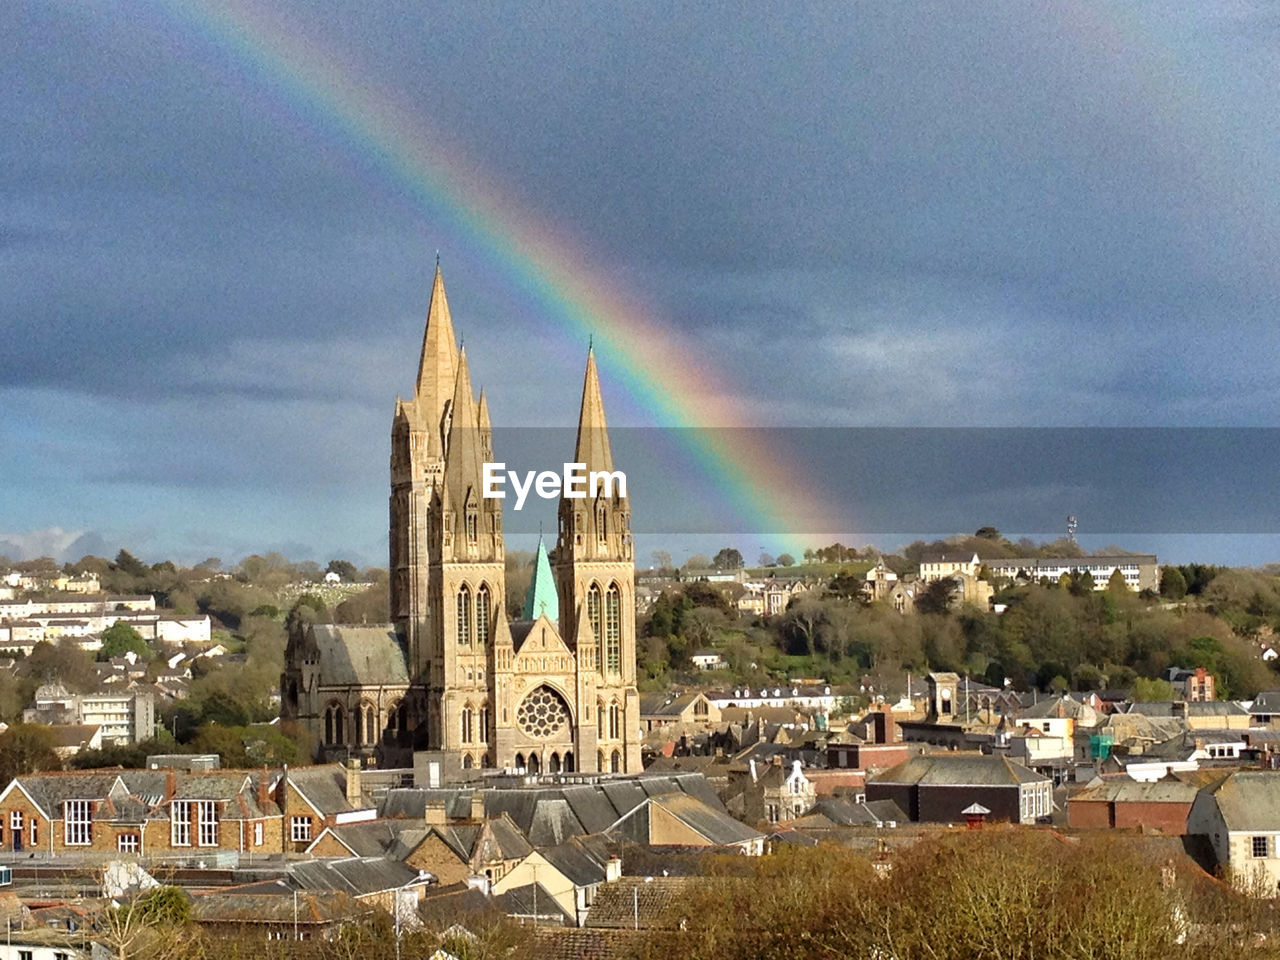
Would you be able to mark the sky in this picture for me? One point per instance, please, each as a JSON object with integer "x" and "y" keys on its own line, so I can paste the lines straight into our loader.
{"x": 1011, "y": 216}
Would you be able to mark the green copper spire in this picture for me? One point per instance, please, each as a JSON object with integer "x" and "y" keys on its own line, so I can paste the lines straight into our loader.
{"x": 542, "y": 597}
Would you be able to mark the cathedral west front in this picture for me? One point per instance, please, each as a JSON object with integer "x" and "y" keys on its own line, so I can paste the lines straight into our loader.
{"x": 552, "y": 691}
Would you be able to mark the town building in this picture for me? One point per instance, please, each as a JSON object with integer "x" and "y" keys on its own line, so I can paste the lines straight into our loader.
{"x": 938, "y": 787}
{"x": 1240, "y": 816}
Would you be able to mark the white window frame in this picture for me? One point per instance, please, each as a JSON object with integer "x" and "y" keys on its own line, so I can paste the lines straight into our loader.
{"x": 77, "y": 823}
{"x": 207, "y": 823}
{"x": 257, "y": 834}
{"x": 300, "y": 829}
{"x": 15, "y": 821}
{"x": 180, "y": 823}
{"x": 128, "y": 843}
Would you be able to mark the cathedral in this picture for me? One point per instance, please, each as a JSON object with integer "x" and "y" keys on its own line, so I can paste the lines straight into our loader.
{"x": 553, "y": 691}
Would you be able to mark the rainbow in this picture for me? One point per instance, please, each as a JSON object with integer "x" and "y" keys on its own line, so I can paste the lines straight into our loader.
{"x": 664, "y": 376}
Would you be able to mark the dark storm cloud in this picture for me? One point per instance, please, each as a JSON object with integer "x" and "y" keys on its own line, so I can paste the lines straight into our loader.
{"x": 868, "y": 214}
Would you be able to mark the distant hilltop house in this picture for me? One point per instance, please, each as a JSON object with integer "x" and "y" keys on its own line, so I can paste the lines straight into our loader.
{"x": 707, "y": 660}
{"x": 801, "y": 696}
{"x": 1140, "y": 571}
{"x": 84, "y": 617}
{"x": 765, "y": 598}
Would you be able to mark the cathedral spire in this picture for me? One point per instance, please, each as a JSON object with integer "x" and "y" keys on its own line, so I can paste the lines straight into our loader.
{"x": 486, "y": 428}
{"x": 463, "y": 462}
{"x": 542, "y": 598}
{"x": 438, "y": 366}
{"x": 593, "y": 433}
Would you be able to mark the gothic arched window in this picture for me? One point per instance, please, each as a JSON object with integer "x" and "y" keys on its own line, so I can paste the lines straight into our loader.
{"x": 370, "y": 725}
{"x": 466, "y": 724}
{"x": 464, "y": 615}
{"x": 484, "y": 723}
{"x": 613, "y": 629}
{"x": 333, "y": 724}
{"x": 472, "y": 525}
{"x": 593, "y": 617}
{"x": 615, "y": 762}
{"x": 613, "y": 721}
{"x": 482, "y": 615}
{"x": 602, "y": 524}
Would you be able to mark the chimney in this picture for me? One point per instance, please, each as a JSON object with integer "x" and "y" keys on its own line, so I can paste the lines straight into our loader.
{"x": 264, "y": 789}
{"x": 170, "y": 783}
{"x": 777, "y": 759}
{"x": 435, "y": 815}
{"x": 354, "y": 795}
{"x": 477, "y": 805}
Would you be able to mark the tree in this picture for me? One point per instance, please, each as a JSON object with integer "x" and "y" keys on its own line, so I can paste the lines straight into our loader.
{"x": 1116, "y": 585}
{"x": 729, "y": 558}
{"x": 766, "y": 559}
{"x": 661, "y": 559}
{"x": 126, "y": 562}
{"x": 697, "y": 561}
{"x": 988, "y": 533}
{"x": 1173, "y": 585}
{"x": 121, "y": 638}
{"x": 26, "y": 748}
{"x": 344, "y": 569}
{"x": 936, "y": 597}
{"x": 1148, "y": 690}
{"x": 786, "y": 560}
{"x": 66, "y": 663}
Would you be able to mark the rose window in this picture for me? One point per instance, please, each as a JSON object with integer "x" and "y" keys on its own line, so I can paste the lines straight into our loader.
{"x": 542, "y": 713}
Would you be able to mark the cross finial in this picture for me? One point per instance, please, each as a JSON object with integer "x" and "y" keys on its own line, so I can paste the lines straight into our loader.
{"x": 591, "y": 340}
{"x": 437, "y": 259}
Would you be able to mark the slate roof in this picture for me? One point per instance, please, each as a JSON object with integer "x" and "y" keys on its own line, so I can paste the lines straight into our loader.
{"x": 717, "y": 827}
{"x": 372, "y": 838}
{"x": 549, "y": 814}
{"x": 1069, "y": 706}
{"x": 325, "y": 786}
{"x": 1194, "y": 708}
{"x": 358, "y": 876}
{"x": 845, "y": 813}
{"x": 359, "y": 655}
{"x": 1249, "y": 800}
{"x": 943, "y": 770}
{"x": 576, "y": 861}
{"x": 665, "y": 705}
{"x": 651, "y": 899}
{"x": 532, "y": 900}
{"x": 272, "y": 902}
{"x": 1127, "y": 790}
{"x": 1266, "y": 702}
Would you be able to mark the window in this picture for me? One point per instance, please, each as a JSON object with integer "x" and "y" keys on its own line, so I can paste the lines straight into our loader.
{"x": 613, "y": 721}
{"x": 1259, "y": 847}
{"x": 300, "y": 829}
{"x": 15, "y": 823}
{"x": 613, "y": 629}
{"x": 257, "y": 834}
{"x": 466, "y": 724}
{"x": 333, "y": 724}
{"x": 464, "y": 615}
{"x": 471, "y": 525}
{"x": 128, "y": 843}
{"x": 24, "y": 955}
{"x": 602, "y": 524}
{"x": 593, "y": 617}
{"x": 77, "y": 823}
{"x": 484, "y": 723}
{"x": 35, "y": 831}
{"x": 180, "y": 823}
{"x": 207, "y": 822}
{"x": 482, "y": 614}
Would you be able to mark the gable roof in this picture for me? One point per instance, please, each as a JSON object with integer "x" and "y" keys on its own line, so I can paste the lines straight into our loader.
{"x": 1248, "y": 800}
{"x": 943, "y": 770}
{"x": 324, "y": 787}
{"x": 359, "y": 655}
{"x": 649, "y": 901}
{"x": 358, "y": 876}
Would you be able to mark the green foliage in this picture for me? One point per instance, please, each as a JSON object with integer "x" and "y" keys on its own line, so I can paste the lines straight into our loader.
{"x": 1173, "y": 584}
{"x": 729, "y": 558}
{"x": 121, "y": 638}
{"x": 26, "y": 748}
{"x": 165, "y": 906}
{"x": 128, "y": 564}
{"x": 1148, "y": 690}
{"x": 66, "y": 662}
{"x": 786, "y": 560}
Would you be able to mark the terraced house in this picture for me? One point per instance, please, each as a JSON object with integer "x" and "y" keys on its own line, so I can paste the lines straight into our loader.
{"x": 178, "y": 816}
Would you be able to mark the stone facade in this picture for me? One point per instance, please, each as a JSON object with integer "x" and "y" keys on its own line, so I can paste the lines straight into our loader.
{"x": 544, "y": 693}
